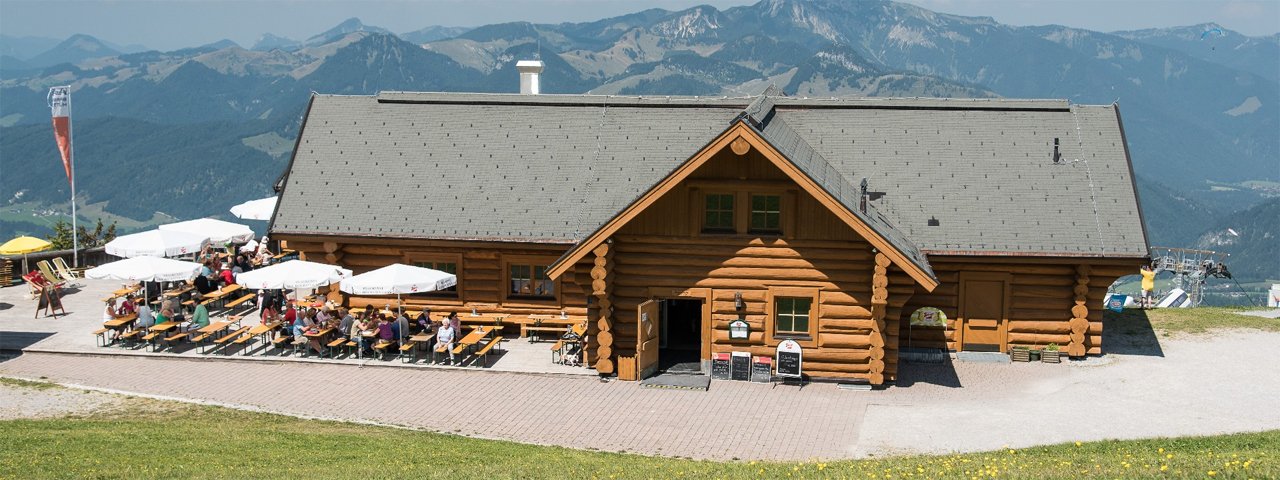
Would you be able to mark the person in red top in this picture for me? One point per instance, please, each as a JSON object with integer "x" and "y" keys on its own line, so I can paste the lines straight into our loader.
{"x": 228, "y": 278}
{"x": 290, "y": 316}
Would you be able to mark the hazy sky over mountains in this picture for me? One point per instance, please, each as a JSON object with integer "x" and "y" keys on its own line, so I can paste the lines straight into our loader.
{"x": 168, "y": 25}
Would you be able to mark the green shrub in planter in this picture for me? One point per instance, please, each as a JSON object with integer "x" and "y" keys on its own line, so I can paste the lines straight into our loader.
{"x": 1051, "y": 354}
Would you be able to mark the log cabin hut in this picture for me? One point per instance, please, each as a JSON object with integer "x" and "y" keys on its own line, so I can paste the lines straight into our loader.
{"x": 658, "y": 221}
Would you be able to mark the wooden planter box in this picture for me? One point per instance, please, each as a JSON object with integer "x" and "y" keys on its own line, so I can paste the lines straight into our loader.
{"x": 1051, "y": 356}
{"x": 626, "y": 368}
{"x": 1020, "y": 355}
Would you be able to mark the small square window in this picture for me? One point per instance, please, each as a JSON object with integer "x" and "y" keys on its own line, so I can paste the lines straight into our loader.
{"x": 766, "y": 213}
{"x": 530, "y": 281}
{"x": 791, "y": 316}
{"x": 718, "y": 214}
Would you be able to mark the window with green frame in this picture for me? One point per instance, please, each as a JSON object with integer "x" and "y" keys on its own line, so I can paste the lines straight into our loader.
{"x": 791, "y": 315}
{"x": 718, "y": 214}
{"x": 530, "y": 281}
{"x": 766, "y": 214}
{"x": 447, "y": 267}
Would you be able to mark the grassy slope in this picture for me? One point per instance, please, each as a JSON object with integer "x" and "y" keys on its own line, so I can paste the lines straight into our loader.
{"x": 1169, "y": 321}
{"x": 153, "y": 439}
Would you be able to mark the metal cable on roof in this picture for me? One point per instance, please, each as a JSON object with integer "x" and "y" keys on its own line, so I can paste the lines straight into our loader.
{"x": 1093, "y": 198}
{"x": 595, "y": 157}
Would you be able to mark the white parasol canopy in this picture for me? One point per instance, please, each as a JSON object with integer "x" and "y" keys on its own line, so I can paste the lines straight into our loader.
{"x": 156, "y": 243}
{"x": 260, "y": 209}
{"x": 398, "y": 278}
{"x": 293, "y": 274}
{"x": 218, "y": 231}
{"x": 146, "y": 269}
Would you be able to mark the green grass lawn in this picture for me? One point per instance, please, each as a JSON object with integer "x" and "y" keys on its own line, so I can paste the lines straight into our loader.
{"x": 155, "y": 439}
{"x": 1193, "y": 320}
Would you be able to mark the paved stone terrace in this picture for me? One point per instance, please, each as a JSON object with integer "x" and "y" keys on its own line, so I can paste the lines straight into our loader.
{"x": 1149, "y": 387}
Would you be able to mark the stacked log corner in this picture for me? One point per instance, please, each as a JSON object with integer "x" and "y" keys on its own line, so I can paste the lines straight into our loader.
{"x": 601, "y": 286}
{"x": 1079, "y": 323}
{"x": 879, "y": 303}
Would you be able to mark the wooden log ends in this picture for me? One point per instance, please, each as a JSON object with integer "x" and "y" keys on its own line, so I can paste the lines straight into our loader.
{"x": 1079, "y": 324}
{"x": 877, "y": 354}
{"x": 330, "y": 247}
{"x": 605, "y": 303}
{"x": 332, "y": 258}
{"x": 604, "y": 365}
{"x": 877, "y": 340}
{"x": 605, "y": 339}
{"x": 1080, "y": 311}
{"x": 879, "y": 325}
{"x": 876, "y": 378}
{"x": 740, "y": 146}
{"x": 1076, "y": 350}
{"x": 604, "y": 352}
{"x": 879, "y": 296}
{"x": 878, "y": 310}
{"x": 599, "y": 272}
{"x": 1082, "y": 270}
{"x": 1077, "y": 338}
{"x": 601, "y": 250}
{"x": 604, "y": 324}
{"x": 882, "y": 260}
{"x": 1081, "y": 290}
{"x": 879, "y": 281}
{"x": 599, "y": 286}
{"x": 876, "y": 366}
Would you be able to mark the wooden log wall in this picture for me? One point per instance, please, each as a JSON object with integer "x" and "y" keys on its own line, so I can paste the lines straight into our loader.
{"x": 879, "y": 302}
{"x": 481, "y": 279}
{"x": 1045, "y": 293}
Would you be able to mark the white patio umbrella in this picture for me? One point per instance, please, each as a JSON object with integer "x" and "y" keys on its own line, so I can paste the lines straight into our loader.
{"x": 293, "y": 274}
{"x": 156, "y": 243}
{"x": 260, "y": 209}
{"x": 146, "y": 269}
{"x": 218, "y": 231}
{"x": 398, "y": 279}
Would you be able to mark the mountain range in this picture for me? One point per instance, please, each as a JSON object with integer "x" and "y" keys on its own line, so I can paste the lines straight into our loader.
{"x": 206, "y": 127}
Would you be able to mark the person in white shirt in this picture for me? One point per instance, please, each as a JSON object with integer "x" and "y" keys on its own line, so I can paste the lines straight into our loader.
{"x": 445, "y": 336}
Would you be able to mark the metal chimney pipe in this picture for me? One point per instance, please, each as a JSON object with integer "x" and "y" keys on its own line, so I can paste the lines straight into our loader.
{"x": 530, "y": 70}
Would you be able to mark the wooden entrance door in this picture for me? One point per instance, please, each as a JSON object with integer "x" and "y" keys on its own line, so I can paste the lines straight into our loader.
{"x": 647, "y": 339}
{"x": 984, "y": 300}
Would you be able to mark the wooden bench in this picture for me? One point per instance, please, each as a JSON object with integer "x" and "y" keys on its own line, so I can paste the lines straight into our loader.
{"x": 101, "y": 336}
{"x": 235, "y": 303}
{"x": 150, "y": 339}
{"x": 169, "y": 340}
{"x": 406, "y": 351}
{"x": 225, "y": 340}
{"x": 557, "y": 350}
{"x": 335, "y": 345}
{"x": 131, "y": 335}
{"x": 281, "y": 342}
{"x": 483, "y": 354}
{"x": 525, "y": 329}
{"x": 440, "y": 348}
{"x": 381, "y": 347}
{"x": 200, "y": 338}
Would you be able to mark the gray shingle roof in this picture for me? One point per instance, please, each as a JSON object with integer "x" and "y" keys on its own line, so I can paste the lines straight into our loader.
{"x": 554, "y": 168}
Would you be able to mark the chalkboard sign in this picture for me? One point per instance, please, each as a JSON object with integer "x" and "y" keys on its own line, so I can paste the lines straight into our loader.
{"x": 741, "y": 366}
{"x": 789, "y": 359}
{"x": 720, "y": 366}
{"x": 762, "y": 370}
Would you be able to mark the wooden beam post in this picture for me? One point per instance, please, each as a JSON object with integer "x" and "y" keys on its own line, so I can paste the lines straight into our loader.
{"x": 1080, "y": 313}
{"x": 601, "y": 288}
{"x": 879, "y": 306}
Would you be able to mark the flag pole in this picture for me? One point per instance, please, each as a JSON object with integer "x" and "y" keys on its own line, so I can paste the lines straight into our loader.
{"x": 75, "y": 239}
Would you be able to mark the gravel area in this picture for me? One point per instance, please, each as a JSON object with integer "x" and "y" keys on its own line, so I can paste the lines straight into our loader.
{"x": 19, "y": 401}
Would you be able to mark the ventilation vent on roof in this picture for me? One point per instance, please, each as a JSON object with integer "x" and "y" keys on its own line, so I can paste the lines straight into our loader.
{"x": 933, "y": 222}
{"x": 530, "y": 71}
{"x": 1057, "y": 156}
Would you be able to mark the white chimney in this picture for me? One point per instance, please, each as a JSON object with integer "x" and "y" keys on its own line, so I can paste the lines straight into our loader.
{"x": 529, "y": 72}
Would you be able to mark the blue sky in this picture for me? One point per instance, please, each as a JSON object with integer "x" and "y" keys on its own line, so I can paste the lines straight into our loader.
{"x": 168, "y": 25}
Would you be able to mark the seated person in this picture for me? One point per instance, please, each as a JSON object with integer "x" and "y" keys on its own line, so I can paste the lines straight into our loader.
{"x": 445, "y": 338}
{"x": 423, "y": 324}
{"x": 386, "y": 332}
{"x": 227, "y": 277}
{"x": 204, "y": 285}
{"x": 145, "y": 318}
{"x": 199, "y": 319}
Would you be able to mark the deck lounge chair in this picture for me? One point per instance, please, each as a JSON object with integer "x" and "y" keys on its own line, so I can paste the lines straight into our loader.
{"x": 53, "y": 273}
{"x": 66, "y": 270}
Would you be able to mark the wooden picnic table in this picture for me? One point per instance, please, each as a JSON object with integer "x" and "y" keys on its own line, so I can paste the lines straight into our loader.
{"x": 165, "y": 327}
{"x": 126, "y": 290}
{"x": 121, "y": 322}
{"x": 476, "y": 335}
{"x": 178, "y": 292}
{"x": 216, "y": 326}
{"x": 318, "y": 333}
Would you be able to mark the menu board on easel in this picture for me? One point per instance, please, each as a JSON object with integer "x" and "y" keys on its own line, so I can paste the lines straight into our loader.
{"x": 50, "y": 302}
{"x": 789, "y": 359}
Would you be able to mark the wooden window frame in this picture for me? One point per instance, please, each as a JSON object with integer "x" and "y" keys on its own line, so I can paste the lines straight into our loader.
{"x": 782, "y": 212}
{"x": 411, "y": 258}
{"x": 702, "y": 209}
{"x": 770, "y": 314}
{"x": 529, "y": 260}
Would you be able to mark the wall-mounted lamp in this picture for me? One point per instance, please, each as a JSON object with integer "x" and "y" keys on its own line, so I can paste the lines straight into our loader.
{"x": 737, "y": 301}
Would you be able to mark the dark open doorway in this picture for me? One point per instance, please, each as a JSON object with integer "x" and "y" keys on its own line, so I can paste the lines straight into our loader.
{"x": 680, "y": 347}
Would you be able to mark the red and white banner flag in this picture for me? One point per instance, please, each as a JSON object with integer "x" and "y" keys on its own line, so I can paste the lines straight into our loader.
{"x": 60, "y": 104}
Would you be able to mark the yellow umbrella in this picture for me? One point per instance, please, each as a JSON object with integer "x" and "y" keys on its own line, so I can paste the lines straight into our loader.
{"x": 23, "y": 246}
